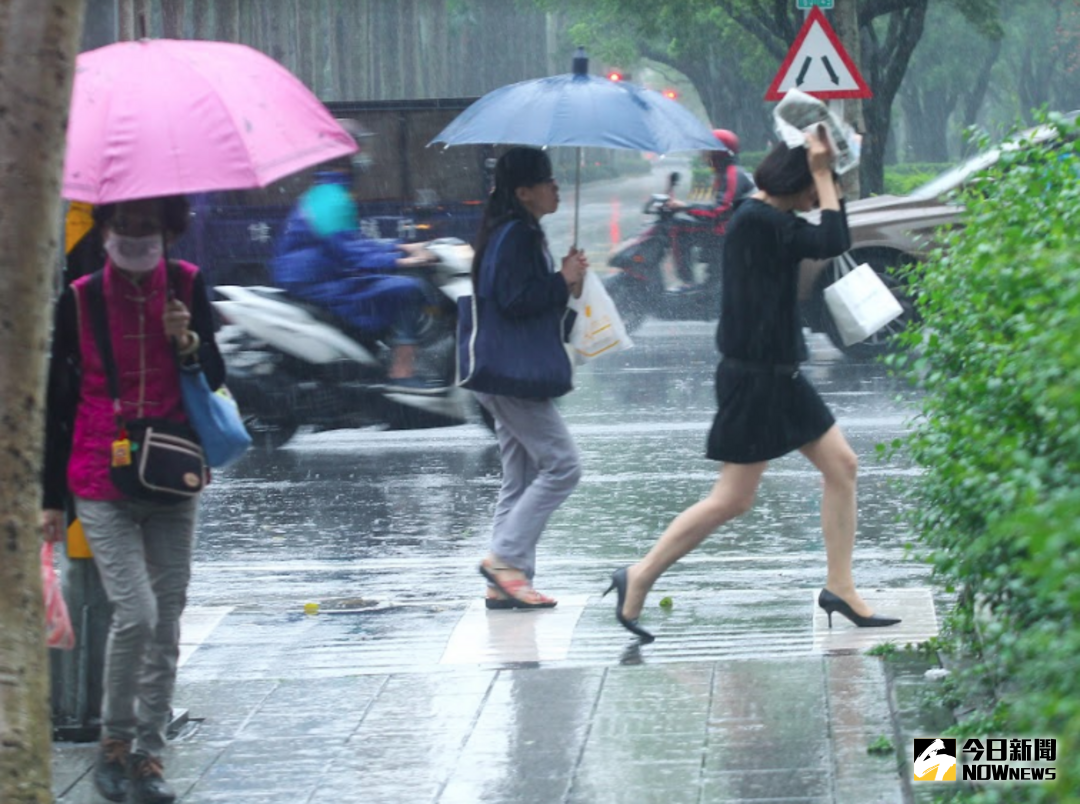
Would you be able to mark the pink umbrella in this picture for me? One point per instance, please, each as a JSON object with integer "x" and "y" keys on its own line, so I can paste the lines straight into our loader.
{"x": 168, "y": 117}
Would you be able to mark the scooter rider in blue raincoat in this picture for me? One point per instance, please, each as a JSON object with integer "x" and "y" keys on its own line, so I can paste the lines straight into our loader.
{"x": 322, "y": 257}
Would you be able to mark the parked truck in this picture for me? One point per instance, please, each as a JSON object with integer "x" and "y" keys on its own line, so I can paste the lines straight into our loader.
{"x": 409, "y": 192}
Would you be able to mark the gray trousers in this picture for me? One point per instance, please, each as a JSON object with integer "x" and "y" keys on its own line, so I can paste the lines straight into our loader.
{"x": 143, "y": 553}
{"x": 540, "y": 467}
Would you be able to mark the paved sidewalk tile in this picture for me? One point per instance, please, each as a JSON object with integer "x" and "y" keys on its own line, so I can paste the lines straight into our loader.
{"x": 500, "y": 730}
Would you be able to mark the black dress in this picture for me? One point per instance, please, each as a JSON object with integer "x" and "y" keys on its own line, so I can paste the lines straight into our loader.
{"x": 766, "y": 406}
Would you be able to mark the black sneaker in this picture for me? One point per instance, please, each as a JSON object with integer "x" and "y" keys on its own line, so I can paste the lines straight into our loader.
{"x": 148, "y": 784}
{"x": 111, "y": 769}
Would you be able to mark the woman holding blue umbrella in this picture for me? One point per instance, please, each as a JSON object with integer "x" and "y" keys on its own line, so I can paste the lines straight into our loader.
{"x": 520, "y": 324}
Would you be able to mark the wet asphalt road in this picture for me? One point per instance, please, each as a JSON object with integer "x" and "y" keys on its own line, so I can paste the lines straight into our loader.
{"x": 401, "y": 518}
{"x": 396, "y": 522}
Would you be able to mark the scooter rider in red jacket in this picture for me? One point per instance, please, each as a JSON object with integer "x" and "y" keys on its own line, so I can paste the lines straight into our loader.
{"x": 730, "y": 183}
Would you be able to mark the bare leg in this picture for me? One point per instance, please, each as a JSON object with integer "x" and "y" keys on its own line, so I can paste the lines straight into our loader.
{"x": 732, "y": 495}
{"x": 838, "y": 465}
{"x": 402, "y": 358}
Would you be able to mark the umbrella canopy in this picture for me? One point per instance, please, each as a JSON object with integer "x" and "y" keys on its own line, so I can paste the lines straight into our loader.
{"x": 583, "y": 110}
{"x": 580, "y": 110}
{"x": 170, "y": 117}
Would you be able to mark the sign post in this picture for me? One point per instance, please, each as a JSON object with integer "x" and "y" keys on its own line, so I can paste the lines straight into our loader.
{"x": 818, "y": 64}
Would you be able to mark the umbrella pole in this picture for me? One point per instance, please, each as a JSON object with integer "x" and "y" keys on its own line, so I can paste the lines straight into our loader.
{"x": 577, "y": 193}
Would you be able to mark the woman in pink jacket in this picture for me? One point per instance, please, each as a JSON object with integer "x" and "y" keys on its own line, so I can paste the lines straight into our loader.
{"x": 142, "y": 549}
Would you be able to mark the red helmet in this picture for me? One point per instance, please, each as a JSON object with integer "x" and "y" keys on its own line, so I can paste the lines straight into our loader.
{"x": 729, "y": 138}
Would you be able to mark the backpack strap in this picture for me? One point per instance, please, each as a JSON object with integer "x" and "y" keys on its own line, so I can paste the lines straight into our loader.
{"x": 473, "y": 325}
{"x": 490, "y": 254}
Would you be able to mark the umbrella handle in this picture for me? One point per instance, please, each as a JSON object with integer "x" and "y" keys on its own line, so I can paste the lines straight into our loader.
{"x": 170, "y": 293}
{"x": 577, "y": 194}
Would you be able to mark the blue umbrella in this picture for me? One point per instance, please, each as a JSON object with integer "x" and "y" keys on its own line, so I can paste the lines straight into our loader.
{"x": 580, "y": 110}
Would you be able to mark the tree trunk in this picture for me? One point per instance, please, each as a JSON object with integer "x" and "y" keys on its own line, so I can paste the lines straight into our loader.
{"x": 38, "y": 43}
{"x": 141, "y": 19}
{"x": 338, "y": 75}
{"x": 885, "y": 63}
{"x": 273, "y": 43}
{"x": 302, "y": 43}
{"x": 227, "y": 20}
{"x": 977, "y": 93}
{"x": 926, "y": 123}
{"x": 125, "y": 20}
{"x": 552, "y": 26}
{"x": 846, "y": 23}
{"x": 726, "y": 105}
{"x": 201, "y": 15}
{"x": 361, "y": 60}
{"x": 172, "y": 19}
{"x": 1036, "y": 70}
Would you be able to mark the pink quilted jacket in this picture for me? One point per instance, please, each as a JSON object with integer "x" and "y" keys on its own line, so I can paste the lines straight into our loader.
{"x": 146, "y": 369}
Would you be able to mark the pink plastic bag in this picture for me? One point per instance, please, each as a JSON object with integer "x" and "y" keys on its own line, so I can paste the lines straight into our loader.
{"x": 57, "y": 622}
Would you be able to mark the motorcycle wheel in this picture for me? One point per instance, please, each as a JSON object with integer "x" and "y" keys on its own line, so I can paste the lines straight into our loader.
{"x": 628, "y": 295}
{"x": 269, "y": 435}
{"x": 888, "y": 265}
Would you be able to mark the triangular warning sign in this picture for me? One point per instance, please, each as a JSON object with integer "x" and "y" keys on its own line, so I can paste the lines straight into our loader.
{"x": 818, "y": 65}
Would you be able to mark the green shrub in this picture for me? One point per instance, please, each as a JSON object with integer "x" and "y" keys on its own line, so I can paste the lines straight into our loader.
{"x": 902, "y": 179}
{"x": 751, "y": 159}
{"x": 996, "y": 509}
{"x": 701, "y": 175}
{"x": 701, "y": 179}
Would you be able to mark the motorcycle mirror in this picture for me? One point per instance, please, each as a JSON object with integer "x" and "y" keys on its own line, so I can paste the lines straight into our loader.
{"x": 673, "y": 179}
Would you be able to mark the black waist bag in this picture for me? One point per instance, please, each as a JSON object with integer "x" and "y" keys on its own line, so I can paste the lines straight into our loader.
{"x": 167, "y": 464}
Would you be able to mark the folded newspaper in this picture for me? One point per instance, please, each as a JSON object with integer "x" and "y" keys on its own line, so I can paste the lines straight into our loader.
{"x": 799, "y": 113}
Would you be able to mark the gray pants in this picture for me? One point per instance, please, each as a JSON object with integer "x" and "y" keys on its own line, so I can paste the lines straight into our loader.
{"x": 540, "y": 466}
{"x": 143, "y": 554}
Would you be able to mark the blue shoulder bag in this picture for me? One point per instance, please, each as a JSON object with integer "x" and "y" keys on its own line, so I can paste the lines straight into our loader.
{"x": 214, "y": 415}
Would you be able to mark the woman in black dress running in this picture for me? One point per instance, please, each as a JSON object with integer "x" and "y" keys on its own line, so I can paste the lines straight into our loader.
{"x": 767, "y": 408}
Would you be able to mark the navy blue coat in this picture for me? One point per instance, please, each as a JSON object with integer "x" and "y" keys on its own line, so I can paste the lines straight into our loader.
{"x": 323, "y": 258}
{"x": 518, "y": 341}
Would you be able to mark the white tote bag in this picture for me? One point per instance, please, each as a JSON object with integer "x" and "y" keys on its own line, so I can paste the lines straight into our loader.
{"x": 859, "y": 302}
{"x": 598, "y": 328}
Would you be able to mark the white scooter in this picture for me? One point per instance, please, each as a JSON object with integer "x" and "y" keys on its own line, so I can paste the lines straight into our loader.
{"x": 291, "y": 363}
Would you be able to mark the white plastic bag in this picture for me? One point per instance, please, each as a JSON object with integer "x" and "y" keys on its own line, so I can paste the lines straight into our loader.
{"x": 799, "y": 113}
{"x": 599, "y": 328}
{"x": 860, "y": 303}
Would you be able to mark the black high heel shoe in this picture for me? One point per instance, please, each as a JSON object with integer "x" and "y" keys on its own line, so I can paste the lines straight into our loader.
{"x": 830, "y": 602}
{"x": 618, "y": 583}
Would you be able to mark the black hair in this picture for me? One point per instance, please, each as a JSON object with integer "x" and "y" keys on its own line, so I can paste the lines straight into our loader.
{"x": 518, "y": 167}
{"x": 784, "y": 171}
{"x": 175, "y": 214}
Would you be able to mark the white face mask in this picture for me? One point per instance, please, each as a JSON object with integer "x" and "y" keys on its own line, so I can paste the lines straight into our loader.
{"x": 139, "y": 255}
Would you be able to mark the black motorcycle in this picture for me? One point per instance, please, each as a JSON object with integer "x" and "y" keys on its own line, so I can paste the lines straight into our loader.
{"x": 638, "y": 288}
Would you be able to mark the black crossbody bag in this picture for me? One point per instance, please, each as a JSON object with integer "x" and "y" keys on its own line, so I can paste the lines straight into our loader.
{"x": 156, "y": 460}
